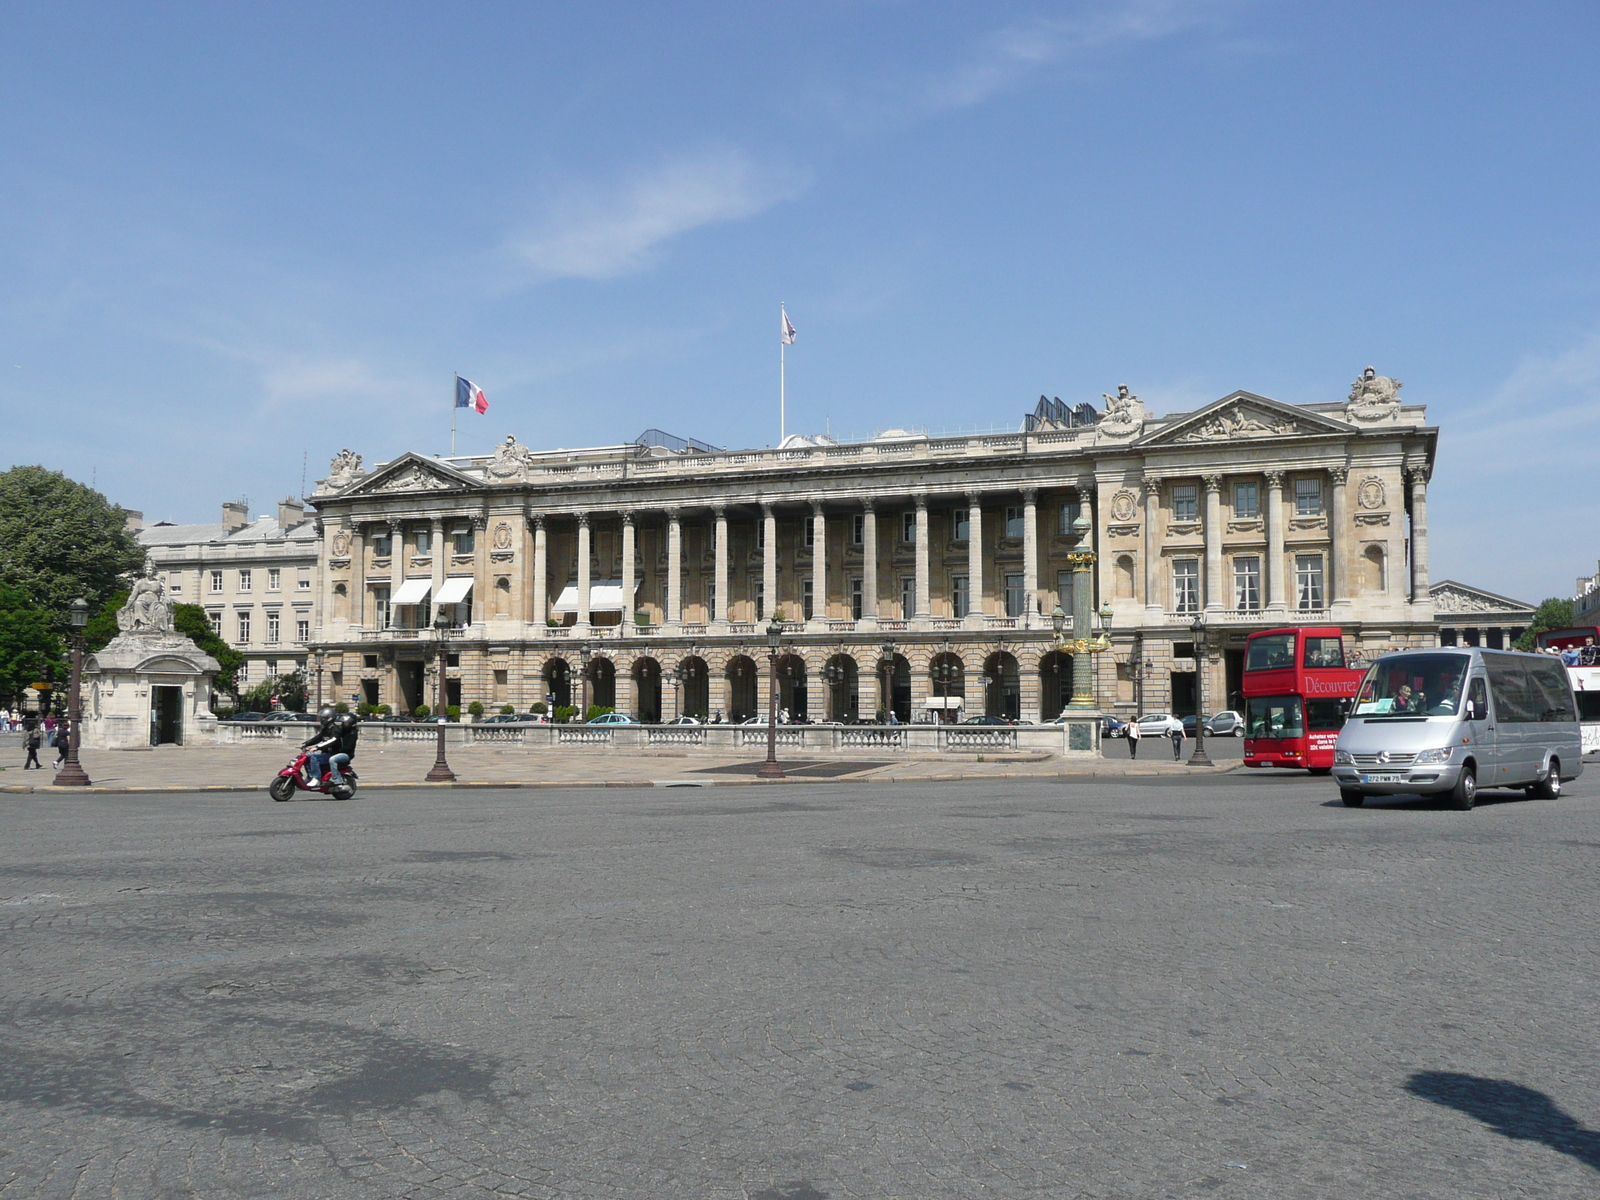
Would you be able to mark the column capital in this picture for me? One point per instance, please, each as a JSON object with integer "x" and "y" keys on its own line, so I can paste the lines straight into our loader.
{"x": 1213, "y": 483}
{"x": 1339, "y": 475}
{"x": 816, "y": 508}
{"x": 583, "y": 520}
{"x": 479, "y": 522}
{"x": 974, "y": 498}
{"x": 766, "y": 509}
{"x": 919, "y": 501}
{"x": 1274, "y": 478}
{"x": 1417, "y": 473}
{"x": 866, "y": 503}
{"x": 627, "y": 516}
{"x": 672, "y": 515}
{"x": 1150, "y": 484}
{"x": 437, "y": 522}
{"x": 1030, "y": 495}
{"x": 719, "y": 512}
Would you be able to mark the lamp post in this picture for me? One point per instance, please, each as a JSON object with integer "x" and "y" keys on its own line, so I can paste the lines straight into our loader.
{"x": 440, "y": 771}
{"x": 944, "y": 674}
{"x": 1058, "y": 624}
{"x": 71, "y": 773}
{"x": 671, "y": 678}
{"x": 316, "y": 669}
{"x": 888, "y": 678}
{"x": 770, "y": 768}
{"x": 1197, "y": 627}
{"x": 583, "y": 681}
{"x": 836, "y": 676}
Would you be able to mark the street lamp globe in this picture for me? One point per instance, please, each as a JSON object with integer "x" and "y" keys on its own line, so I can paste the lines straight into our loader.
{"x": 774, "y": 634}
{"x": 1058, "y": 620}
{"x": 78, "y": 612}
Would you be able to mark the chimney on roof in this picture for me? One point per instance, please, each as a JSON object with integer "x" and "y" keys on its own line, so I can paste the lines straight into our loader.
{"x": 290, "y": 512}
{"x": 132, "y": 520}
{"x": 235, "y": 514}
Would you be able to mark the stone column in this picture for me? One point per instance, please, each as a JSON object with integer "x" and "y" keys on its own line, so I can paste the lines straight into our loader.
{"x": 1277, "y": 594}
{"x": 1214, "y": 593}
{"x": 541, "y": 572}
{"x": 629, "y": 582}
{"x": 975, "y": 607}
{"x": 1418, "y": 477}
{"x": 869, "y": 564}
{"x": 769, "y": 561}
{"x": 1082, "y": 561}
{"x": 1152, "y": 548}
{"x": 819, "y": 564}
{"x": 358, "y": 578}
{"x": 674, "y": 568}
{"x": 583, "y": 569}
{"x": 440, "y": 560}
{"x": 397, "y": 564}
{"x": 1339, "y": 541}
{"x": 482, "y": 588}
{"x": 1030, "y": 560}
{"x": 719, "y": 614}
{"x": 924, "y": 609}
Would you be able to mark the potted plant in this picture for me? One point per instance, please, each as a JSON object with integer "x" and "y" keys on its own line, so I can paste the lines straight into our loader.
{"x": 475, "y": 710}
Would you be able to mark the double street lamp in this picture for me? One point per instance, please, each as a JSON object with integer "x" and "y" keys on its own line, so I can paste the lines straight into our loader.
{"x": 440, "y": 772}
{"x": 71, "y": 773}
{"x": 673, "y": 678}
{"x": 770, "y": 768}
{"x": 945, "y": 672}
{"x": 583, "y": 681}
{"x": 1197, "y": 627}
{"x": 886, "y": 665}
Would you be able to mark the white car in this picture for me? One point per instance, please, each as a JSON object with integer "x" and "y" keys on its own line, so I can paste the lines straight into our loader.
{"x": 1159, "y": 725}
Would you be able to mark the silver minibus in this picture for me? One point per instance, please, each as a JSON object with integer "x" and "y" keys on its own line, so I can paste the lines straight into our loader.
{"x": 1458, "y": 719}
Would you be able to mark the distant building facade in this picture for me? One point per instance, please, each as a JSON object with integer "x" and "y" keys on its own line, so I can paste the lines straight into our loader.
{"x": 909, "y": 567}
{"x": 1586, "y": 601}
{"x": 1469, "y": 616}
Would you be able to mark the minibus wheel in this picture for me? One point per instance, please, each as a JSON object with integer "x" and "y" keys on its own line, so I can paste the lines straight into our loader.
{"x": 1465, "y": 794}
{"x": 1548, "y": 788}
{"x": 1351, "y": 797}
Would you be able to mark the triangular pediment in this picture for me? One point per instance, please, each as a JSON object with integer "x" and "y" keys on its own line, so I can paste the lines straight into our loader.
{"x": 1448, "y": 596}
{"x": 1243, "y": 417}
{"x": 413, "y": 473}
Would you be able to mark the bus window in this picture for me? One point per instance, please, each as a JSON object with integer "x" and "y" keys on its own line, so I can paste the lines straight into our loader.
{"x": 1274, "y": 717}
{"x": 1272, "y": 652}
{"x": 1325, "y": 716}
{"x": 1413, "y": 685}
{"x": 1324, "y": 652}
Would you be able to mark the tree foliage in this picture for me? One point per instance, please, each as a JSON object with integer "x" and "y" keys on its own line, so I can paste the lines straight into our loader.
{"x": 1553, "y": 613}
{"x": 30, "y": 651}
{"x": 60, "y": 539}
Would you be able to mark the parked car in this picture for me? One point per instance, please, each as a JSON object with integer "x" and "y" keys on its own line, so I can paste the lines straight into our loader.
{"x": 282, "y": 716}
{"x": 761, "y": 720}
{"x": 615, "y": 718}
{"x": 1226, "y": 723}
{"x": 245, "y": 716}
{"x": 684, "y": 721}
{"x": 508, "y": 719}
{"x": 988, "y": 721}
{"x": 1111, "y": 727}
{"x": 1158, "y": 725}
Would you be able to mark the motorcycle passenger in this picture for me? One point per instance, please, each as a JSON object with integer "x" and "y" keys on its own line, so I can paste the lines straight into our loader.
{"x": 345, "y": 728}
{"x": 322, "y": 744}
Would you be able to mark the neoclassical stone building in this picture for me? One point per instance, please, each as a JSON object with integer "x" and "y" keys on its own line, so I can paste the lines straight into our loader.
{"x": 908, "y": 567}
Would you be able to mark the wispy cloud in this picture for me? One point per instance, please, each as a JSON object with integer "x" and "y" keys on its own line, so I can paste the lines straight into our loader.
{"x": 592, "y": 233}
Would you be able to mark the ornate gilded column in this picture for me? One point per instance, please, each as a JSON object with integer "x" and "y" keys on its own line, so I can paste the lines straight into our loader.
{"x": 924, "y": 601}
{"x": 975, "y": 607}
{"x": 869, "y": 564}
{"x": 719, "y": 611}
{"x": 819, "y": 563}
{"x": 541, "y": 571}
{"x": 1339, "y": 540}
{"x": 583, "y": 569}
{"x": 1152, "y": 546}
{"x": 1214, "y": 593}
{"x": 1030, "y": 557}
{"x": 769, "y": 561}
{"x": 674, "y": 568}
{"x": 1417, "y": 475}
{"x": 1277, "y": 591}
{"x": 1082, "y": 560}
{"x": 629, "y": 578}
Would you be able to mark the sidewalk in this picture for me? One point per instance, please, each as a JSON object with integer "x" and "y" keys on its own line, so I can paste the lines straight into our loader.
{"x": 252, "y": 768}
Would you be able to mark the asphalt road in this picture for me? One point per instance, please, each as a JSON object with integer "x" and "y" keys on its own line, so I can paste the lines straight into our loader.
{"x": 1226, "y": 986}
{"x": 1218, "y": 749}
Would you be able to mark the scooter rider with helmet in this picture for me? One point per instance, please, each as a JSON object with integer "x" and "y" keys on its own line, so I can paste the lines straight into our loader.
{"x": 346, "y": 729}
{"x": 323, "y": 743}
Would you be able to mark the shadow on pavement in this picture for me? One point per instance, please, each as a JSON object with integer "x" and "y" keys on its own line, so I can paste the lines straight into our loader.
{"x": 1434, "y": 802}
{"x": 1511, "y": 1110}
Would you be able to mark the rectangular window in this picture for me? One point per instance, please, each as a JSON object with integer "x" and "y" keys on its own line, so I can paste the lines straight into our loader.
{"x": 369, "y": 661}
{"x": 1246, "y": 502}
{"x": 380, "y": 607}
{"x": 1185, "y": 502}
{"x": 960, "y": 524}
{"x": 761, "y": 534}
{"x": 216, "y": 581}
{"x": 809, "y": 527}
{"x": 759, "y": 590}
{"x": 302, "y": 630}
{"x": 175, "y": 583}
{"x": 908, "y": 526}
{"x": 1308, "y": 580}
{"x": 465, "y": 541}
{"x": 244, "y": 580}
{"x": 858, "y": 525}
{"x": 1016, "y": 518}
{"x": 422, "y": 542}
{"x": 807, "y": 596}
{"x": 272, "y": 668}
{"x": 1069, "y": 514}
{"x": 215, "y": 618}
{"x": 1016, "y": 596}
{"x": 1186, "y": 585}
{"x": 960, "y": 596}
{"x": 1308, "y": 497}
{"x": 1247, "y": 584}
{"x": 711, "y": 598}
{"x": 303, "y": 583}
{"x": 1065, "y": 592}
{"x": 244, "y": 628}
{"x": 856, "y": 596}
{"x": 274, "y": 579}
{"x": 382, "y": 545}
{"x": 908, "y": 596}
{"x": 274, "y": 626}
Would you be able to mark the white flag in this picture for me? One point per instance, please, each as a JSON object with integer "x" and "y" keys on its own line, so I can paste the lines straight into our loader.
{"x": 788, "y": 329}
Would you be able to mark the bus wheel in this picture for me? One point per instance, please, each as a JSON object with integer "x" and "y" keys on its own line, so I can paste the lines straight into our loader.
{"x": 1351, "y": 797}
{"x": 1320, "y": 770}
{"x": 1548, "y": 788}
{"x": 1465, "y": 793}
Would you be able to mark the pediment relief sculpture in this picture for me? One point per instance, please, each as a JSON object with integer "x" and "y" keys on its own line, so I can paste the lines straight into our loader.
{"x": 413, "y": 479}
{"x": 1448, "y": 599}
{"x": 1239, "y": 422}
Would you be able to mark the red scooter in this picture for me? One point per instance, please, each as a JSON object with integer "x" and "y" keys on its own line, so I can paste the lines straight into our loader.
{"x": 297, "y": 775}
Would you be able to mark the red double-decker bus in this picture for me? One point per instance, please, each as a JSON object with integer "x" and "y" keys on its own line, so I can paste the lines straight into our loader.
{"x": 1297, "y": 690}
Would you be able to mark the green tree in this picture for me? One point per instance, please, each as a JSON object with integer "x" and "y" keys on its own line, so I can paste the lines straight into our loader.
{"x": 60, "y": 539}
{"x": 30, "y": 651}
{"x": 1554, "y": 613}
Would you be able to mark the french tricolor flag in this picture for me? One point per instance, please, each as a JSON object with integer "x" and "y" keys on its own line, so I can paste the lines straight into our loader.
{"x": 470, "y": 395}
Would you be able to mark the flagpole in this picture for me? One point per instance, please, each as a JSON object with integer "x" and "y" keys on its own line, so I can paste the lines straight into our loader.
{"x": 783, "y": 342}
{"x": 453, "y": 407}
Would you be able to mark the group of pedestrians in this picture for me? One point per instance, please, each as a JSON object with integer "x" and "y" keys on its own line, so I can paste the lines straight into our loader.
{"x": 1133, "y": 736}
{"x": 39, "y": 733}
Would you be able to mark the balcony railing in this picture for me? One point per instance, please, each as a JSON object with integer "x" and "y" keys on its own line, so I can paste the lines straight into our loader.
{"x": 1254, "y": 616}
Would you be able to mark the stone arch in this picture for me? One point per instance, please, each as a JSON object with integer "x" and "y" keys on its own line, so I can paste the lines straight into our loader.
{"x": 947, "y": 680}
{"x": 1002, "y": 686}
{"x": 841, "y": 688}
{"x": 745, "y": 683}
{"x": 557, "y": 677}
{"x": 694, "y": 687}
{"x": 793, "y": 685}
{"x": 1055, "y": 684}
{"x": 602, "y": 676}
{"x": 647, "y": 689}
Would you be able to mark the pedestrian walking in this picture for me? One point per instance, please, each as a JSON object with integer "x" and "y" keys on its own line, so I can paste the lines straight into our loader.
{"x": 1133, "y": 738}
{"x": 63, "y": 742}
{"x": 1176, "y": 734}
{"x": 32, "y": 742}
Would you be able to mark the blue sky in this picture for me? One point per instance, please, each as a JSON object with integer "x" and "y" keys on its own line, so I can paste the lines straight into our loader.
{"x": 232, "y": 236}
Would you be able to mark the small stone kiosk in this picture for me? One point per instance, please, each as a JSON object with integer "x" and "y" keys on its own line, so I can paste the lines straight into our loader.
{"x": 152, "y": 685}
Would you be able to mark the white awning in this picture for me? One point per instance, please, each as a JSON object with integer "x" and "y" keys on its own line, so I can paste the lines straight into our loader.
{"x": 605, "y": 595}
{"x": 455, "y": 589}
{"x": 412, "y": 591}
{"x": 943, "y": 702}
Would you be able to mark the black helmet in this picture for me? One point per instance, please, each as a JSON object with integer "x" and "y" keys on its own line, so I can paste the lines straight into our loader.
{"x": 347, "y": 721}
{"x": 326, "y": 714}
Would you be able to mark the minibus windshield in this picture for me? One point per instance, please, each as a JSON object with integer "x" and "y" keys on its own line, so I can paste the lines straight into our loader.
{"x": 1413, "y": 685}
